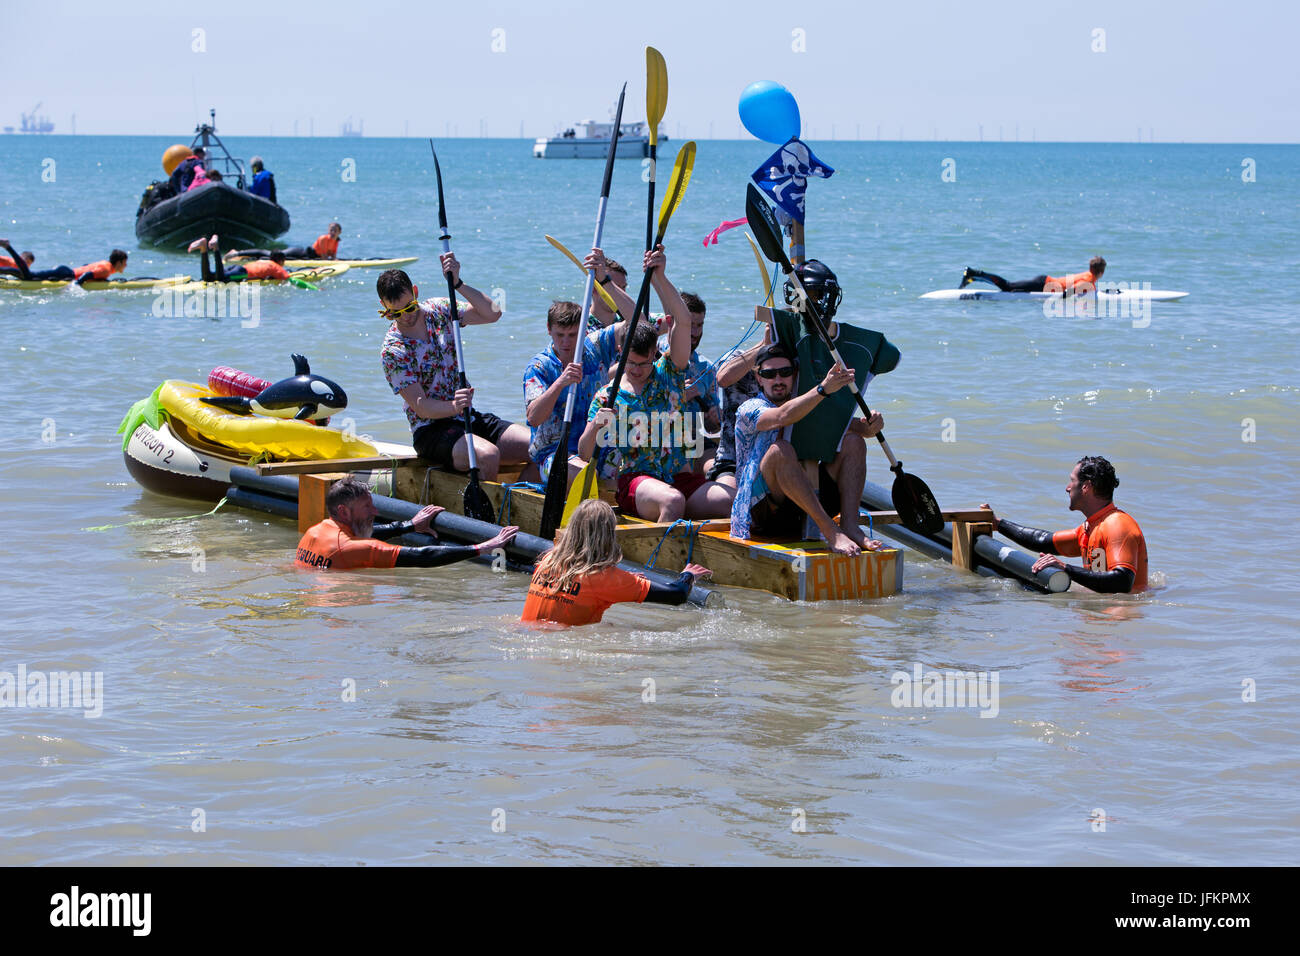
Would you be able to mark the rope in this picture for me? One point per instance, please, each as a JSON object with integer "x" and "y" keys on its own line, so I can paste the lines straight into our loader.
{"x": 142, "y": 521}
{"x": 692, "y": 529}
{"x": 505, "y": 498}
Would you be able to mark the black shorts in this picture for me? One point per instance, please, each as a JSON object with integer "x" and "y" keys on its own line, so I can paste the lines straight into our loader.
{"x": 785, "y": 520}
{"x": 720, "y": 467}
{"x": 435, "y": 440}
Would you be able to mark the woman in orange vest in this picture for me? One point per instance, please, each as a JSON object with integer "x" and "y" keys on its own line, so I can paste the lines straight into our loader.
{"x": 1076, "y": 283}
{"x": 577, "y": 580}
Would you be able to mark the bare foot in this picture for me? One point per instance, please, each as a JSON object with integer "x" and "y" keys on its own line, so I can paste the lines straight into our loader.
{"x": 840, "y": 543}
{"x": 199, "y": 245}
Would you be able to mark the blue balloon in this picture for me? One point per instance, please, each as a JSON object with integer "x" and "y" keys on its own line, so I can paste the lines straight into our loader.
{"x": 769, "y": 112}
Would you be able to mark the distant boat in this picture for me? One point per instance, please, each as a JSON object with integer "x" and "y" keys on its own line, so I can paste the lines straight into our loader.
{"x": 590, "y": 140}
{"x": 226, "y": 208}
{"x": 347, "y": 129}
{"x": 31, "y": 123}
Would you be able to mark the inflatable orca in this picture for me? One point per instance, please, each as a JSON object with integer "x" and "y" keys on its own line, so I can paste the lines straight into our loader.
{"x": 305, "y": 397}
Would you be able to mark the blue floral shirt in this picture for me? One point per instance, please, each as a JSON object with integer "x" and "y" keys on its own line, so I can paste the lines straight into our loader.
{"x": 598, "y": 353}
{"x": 751, "y": 446}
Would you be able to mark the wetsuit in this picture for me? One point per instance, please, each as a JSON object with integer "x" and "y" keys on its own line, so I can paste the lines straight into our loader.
{"x": 331, "y": 546}
{"x": 260, "y": 269}
{"x": 1114, "y": 545}
{"x": 585, "y": 600}
{"x": 21, "y": 270}
{"x": 1076, "y": 283}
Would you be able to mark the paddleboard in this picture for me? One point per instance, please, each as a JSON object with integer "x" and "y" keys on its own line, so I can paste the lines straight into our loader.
{"x": 314, "y": 274}
{"x": 41, "y": 285}
{"x": 1106, "y": 295}
{"x": 350, "y": 263}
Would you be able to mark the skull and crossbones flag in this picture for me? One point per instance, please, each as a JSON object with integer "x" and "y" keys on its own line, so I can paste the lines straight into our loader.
{"x": 784, "y": 176}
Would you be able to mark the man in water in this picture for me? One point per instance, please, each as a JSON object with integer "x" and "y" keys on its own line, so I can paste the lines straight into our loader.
{"x": 349, "y": 538}
{"x": 1076, "y": 283}
{"x": 116, "y": 262}
{"x": 263, "y": 183}
{"x": 1109, "y": 540}
{"x": 773, "y": 491}
{"x": 272, "y": 268}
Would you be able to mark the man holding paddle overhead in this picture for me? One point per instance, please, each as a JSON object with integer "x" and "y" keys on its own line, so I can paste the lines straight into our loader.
{"x": 1110, "y": 542}
{"x": 648, "y": 423}
{"x": 419, "y": 360}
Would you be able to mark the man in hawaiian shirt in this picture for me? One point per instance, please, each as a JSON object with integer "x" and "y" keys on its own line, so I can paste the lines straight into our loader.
{"x": 773, "y": 492}
{"x": 649, "y": 424}
{"x": 419, "y": 360}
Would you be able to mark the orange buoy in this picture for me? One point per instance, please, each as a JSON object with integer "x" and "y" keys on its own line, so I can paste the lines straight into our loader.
{"x": 173, "y": 157}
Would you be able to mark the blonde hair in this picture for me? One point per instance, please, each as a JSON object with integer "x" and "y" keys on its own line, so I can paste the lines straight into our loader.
{"x": 586, "y": 545}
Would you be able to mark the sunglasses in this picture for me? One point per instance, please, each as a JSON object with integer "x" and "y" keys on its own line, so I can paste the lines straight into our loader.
{"x": 394, "y": 313}
{"x": 787, "y": 372}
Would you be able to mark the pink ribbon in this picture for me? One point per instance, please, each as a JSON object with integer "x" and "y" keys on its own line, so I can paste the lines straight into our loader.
{"x": 712, "y": 238}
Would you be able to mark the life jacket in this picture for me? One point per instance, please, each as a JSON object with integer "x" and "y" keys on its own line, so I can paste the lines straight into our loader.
{"x": 1076, "y": 282}
{"x": 325, "y": 246}
{"x": 98, "y": 270}
{"x": 7, "y": 263}
{"x": 200, "y": 178}
{"x": 265, "y": 269}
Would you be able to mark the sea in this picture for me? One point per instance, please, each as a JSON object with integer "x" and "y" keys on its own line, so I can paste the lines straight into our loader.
{"x": 249, "y": 713}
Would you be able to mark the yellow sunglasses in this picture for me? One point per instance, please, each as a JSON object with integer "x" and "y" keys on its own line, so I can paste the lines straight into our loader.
{"x": 395, "y": 313}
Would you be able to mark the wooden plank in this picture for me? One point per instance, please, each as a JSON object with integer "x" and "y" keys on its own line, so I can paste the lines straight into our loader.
{"x": 311, "y": 498}
{"x": 963, "y": 542}
{"x": 965, "y": 514}
{"x": 330, "y": 465}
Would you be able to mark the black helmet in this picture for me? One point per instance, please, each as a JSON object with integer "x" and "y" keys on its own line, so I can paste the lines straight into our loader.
{"x": 822, "y": 287}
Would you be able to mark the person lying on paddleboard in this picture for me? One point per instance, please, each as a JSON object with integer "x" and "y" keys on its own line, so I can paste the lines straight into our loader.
{"x": 1076, "y": 283}
{"x": 648, "y": 423}
{"x": 1110, "y": 541}
{"x": 326, "y": 246}
{"x": 272, "y": 268}
{"x": 419, "y": 360}
{"x": 349, "y": 538}
{"x": 19, "y": 267}
{"x": 556, "y": 368}
{"x": 577, "y": 580}
{"x": 773, "y": 492}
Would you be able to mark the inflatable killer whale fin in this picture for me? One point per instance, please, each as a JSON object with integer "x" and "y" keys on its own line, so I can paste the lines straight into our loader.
{"x": 300, "y": 365}
{"x": 231, "y": 403}
{"x": 305, "y": 413}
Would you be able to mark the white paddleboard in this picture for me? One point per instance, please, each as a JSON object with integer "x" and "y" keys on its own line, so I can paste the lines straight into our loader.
{"x": 976, "y": 294}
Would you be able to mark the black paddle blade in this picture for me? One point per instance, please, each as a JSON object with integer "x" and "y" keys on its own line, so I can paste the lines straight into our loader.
{"x": 477, "y": 504}
{"x": 442, "y": 205}
{"x": 557, "y": 486}
{"x": 915, "y": 503}
{"x": 762, "y": 221}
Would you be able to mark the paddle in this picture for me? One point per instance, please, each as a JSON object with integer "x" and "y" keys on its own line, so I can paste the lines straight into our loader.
{"x": 477, "y": 504}
{"x": 913, "y": 501}
{"x": 557, "y": 482}
{"x": 768, "y": 284}
{"x": 656, "y": 101}
{"x": 609, "y": 299}
{"x": 672, "y": 199}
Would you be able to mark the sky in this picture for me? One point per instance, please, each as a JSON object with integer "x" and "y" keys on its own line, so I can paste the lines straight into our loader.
{"x": 1190, "y": 70}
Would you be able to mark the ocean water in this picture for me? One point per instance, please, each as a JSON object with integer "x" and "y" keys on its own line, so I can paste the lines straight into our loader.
{"x": 473, "y": 739}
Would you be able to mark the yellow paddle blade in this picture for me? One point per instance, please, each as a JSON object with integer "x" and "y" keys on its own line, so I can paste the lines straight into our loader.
{"x": 608, "y": 299}
{"x": 656, "y": 91}
{"x": 584, "y": 487}
{"x": 762, "y": 268}
{"x": 676, "y": 186}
